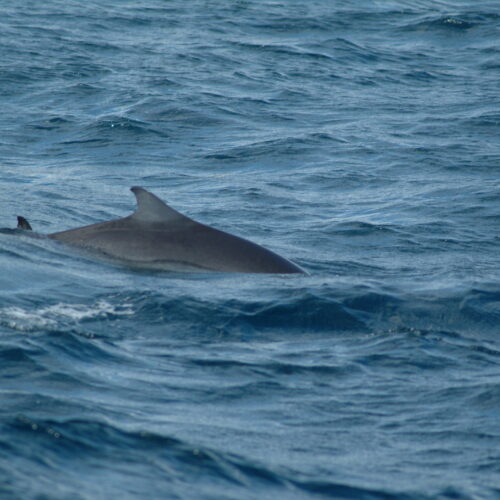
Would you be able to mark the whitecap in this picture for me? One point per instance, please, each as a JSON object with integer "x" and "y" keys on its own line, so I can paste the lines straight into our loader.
{"x": 27, "y": 320}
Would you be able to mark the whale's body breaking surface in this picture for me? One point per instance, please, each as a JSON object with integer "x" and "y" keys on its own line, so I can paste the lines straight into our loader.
{"x": 156, "y": 236}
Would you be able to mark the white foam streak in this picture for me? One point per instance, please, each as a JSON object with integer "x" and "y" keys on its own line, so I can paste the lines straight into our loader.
{"x": 24, "y": 319}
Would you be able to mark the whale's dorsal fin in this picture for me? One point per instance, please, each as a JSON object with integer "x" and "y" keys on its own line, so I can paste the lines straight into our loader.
{"x": 151, "y": 209}
{"x": 156, "y": 236}
{"x": 22, "y": 223}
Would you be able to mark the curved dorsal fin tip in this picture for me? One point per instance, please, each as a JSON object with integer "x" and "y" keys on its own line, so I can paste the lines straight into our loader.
{"x": 22, "y": 223}
{"x": 151, "y": 209}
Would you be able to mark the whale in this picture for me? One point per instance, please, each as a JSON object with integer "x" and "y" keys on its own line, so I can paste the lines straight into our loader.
{"x": 158, "y": 237}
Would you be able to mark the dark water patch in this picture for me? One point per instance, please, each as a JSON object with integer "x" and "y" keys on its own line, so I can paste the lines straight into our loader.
{"x": 108, "y": 129}
{"x": 271, "y": 369}
{"x": 487, "y": 119}
{"x": 306, "y": 313}
{"x": 421, "y": 76}
{"x": 83, "y": 69}
{"x": 444, "y": 24}
{"x": 162, "y": 111}
{"x": 375, "y": 302}
{"x": 122, "y": 125}
{"x": 170, "y": 460}
{"x": 39, "y": 397}
{"x": 16, "y": 360}
{"x": 88, "y": 444}
{"x": 421, "y": 312}
{"x": 359, "y": 228}
{"x": 330, "y": 489}
{"x": 80, "y": 346}
{"x": 291, "y": 25}
{"x": 245, "y": 392}
{"x": 481, "y": 306}
{"x": 71, "y": 438}
{"x": 487, "y": 397}
{"x": 412, "y": 362}
{"x": 281, "y": 147}
{"x": 54, "y": 123}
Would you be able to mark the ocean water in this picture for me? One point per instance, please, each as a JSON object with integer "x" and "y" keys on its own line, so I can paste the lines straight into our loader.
{"x": 360, "y": 139}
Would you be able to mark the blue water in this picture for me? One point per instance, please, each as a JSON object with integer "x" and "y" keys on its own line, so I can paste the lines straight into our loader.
{"x": 359, "y": 139}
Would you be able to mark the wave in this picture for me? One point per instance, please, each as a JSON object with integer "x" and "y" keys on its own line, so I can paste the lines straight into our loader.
{"x": 279, "y": 147}
{"x": 58, "y": 315}
{"x": 53, "y": 448}
{"x": 327, "y": 310}
{"x": 453, "y": 23}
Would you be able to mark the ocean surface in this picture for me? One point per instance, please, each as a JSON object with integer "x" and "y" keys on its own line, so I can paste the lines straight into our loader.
{"x": 358, "y": 138}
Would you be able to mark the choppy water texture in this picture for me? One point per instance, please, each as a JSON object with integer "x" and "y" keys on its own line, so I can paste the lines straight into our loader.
{"x": 359, "y": 139}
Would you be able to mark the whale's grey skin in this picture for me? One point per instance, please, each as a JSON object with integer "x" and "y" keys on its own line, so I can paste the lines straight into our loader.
{"x": 156, "y": 236}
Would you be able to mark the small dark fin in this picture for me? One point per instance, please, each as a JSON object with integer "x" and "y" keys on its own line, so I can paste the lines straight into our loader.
{"x": 22, "y": 223}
